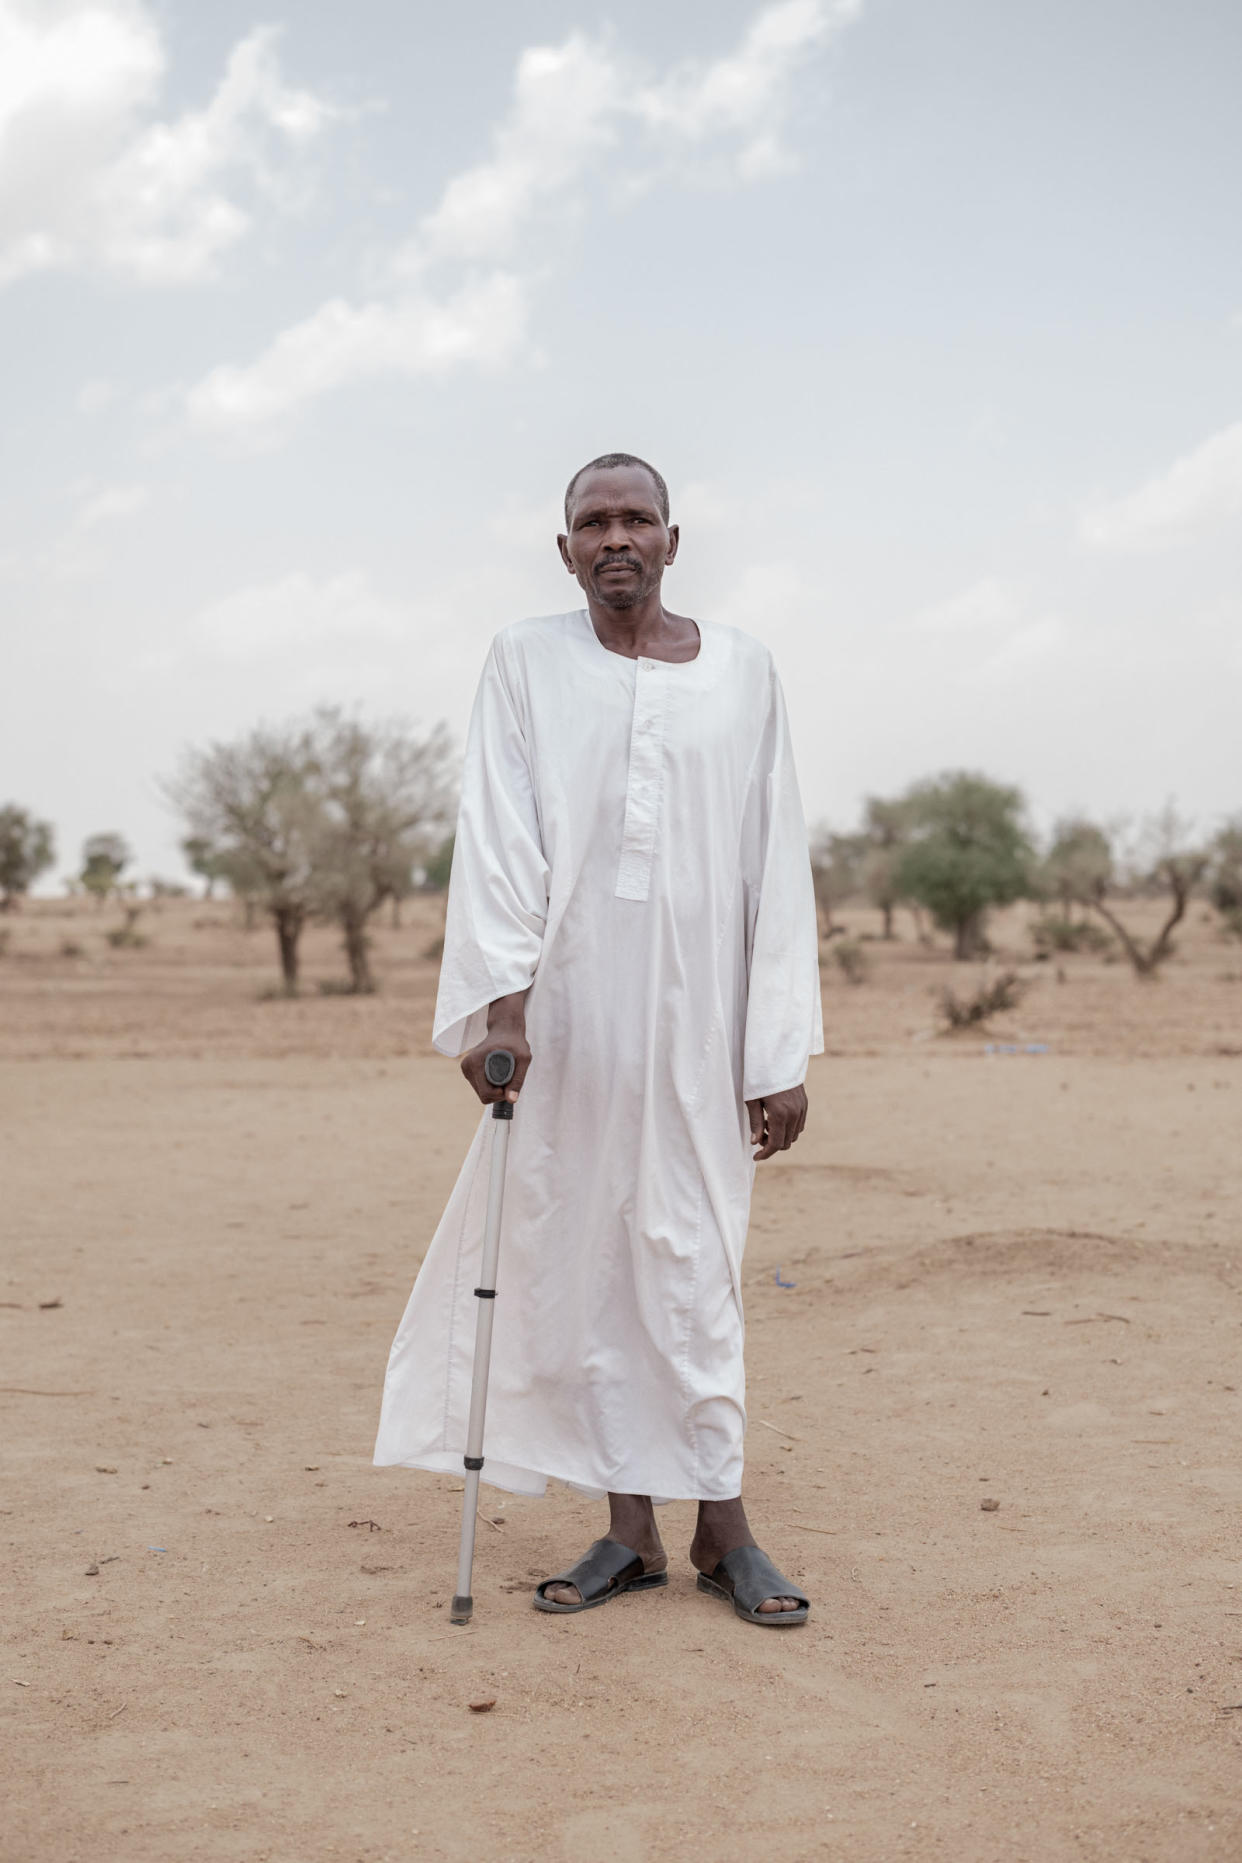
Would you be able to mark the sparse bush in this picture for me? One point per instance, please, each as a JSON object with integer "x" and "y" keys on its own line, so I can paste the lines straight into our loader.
{"x": 127, "y": 937}
{"x": 1225, "y": 878}
{"x": 1061, "y": 934}
{"x": 851, "y": 960}
{"x": 1079, "y": 865}
{"x": 69, "y": 947}
{"x": 992, "y": 997}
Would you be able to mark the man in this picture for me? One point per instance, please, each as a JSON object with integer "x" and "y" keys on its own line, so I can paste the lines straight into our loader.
{"x": 630, "y": 914}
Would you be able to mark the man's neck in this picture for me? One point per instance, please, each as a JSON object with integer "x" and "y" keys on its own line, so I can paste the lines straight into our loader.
{"x": 647, "y": 628}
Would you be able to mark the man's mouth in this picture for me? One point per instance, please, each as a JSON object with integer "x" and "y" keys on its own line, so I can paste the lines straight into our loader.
{"x": 635, "y": 569}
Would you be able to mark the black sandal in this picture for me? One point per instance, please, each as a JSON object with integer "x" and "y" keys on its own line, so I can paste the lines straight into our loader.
{"x": 605, "y": 1570}
{"x": 747, "y": 1578}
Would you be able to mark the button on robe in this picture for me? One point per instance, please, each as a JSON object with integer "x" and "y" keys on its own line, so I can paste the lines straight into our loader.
{"x": 631, "y": 848}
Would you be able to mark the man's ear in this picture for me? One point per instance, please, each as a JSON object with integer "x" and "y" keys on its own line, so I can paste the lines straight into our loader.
{"x": 562, "y": 544}
{"x": 674, "y": 538}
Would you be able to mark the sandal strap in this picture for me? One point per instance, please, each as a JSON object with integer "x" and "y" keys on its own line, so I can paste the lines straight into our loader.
{"x": 750, "y": 1576}
{"x": 603, "y": 1567}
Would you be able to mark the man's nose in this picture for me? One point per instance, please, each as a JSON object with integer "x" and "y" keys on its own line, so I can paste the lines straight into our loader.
{"x": 616, "y": 536}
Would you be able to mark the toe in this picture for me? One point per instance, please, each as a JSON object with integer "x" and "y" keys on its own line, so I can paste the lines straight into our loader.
{"x": 563, "y": 1594}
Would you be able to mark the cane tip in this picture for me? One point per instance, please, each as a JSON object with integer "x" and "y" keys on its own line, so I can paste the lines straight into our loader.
{"x": 461, "y": 1610}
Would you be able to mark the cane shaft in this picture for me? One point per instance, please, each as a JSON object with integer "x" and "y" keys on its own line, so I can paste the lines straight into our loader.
{"x": 485, "y": 1291}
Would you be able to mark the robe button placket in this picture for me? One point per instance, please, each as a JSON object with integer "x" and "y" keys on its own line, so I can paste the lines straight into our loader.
{"x": 643, "y": 785}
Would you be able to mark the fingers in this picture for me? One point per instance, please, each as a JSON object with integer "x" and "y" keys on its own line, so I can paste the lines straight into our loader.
{"x": 775, "y": 1133}
{"x": 782, "y": 1119}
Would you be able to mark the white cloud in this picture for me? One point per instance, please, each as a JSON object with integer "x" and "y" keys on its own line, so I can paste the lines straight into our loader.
{"x": 116, "y": 501}
{"x": 565, "y": 99}
{"x": 86, "y": 179}
{"x": 344, "y": 343}
{"x": 1201, "y": 489}
{"x": 573, "y": 104}
{"x": 745, "y": 94}
{"x": 295, "y": 612}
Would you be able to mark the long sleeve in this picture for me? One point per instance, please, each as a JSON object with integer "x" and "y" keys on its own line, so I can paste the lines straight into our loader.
{"x": 498, "y": 889}
{"x": 784, "y": 1015}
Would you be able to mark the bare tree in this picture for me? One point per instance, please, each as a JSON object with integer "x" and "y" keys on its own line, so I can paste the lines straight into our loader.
{"x": 1164, "y": 862}
{"x": 255, "y": 802}
{"x": 27, "y": 849}
{"x": 386, "y": 798}
{"x": 836, "y": 868}
{"x": 321, "y": 817}
{"x": 1079, "y": 863}
{"x": 886, "y": 829}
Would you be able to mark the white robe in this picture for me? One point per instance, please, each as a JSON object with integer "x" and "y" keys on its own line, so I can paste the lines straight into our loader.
{"x": 631, "y": 844}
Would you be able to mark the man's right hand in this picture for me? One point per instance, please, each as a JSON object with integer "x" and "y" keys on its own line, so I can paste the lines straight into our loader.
{"x": 506, "y": 1031}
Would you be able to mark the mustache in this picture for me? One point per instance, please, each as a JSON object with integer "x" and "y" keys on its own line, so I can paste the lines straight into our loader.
{"x": 619, "y": 562}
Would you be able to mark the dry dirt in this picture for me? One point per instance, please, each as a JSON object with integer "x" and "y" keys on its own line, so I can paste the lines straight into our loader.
{"x": 1017, "y": 1280}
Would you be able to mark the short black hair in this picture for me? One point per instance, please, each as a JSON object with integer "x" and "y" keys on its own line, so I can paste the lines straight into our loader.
{"x": 605, "y": 462}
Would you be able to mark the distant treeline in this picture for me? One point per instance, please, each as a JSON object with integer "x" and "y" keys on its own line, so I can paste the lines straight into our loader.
{"x": 957, "y": 845}
{"x": 326, "y": 818}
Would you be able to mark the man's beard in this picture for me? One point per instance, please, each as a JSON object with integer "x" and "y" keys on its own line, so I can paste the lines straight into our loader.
{"x": 630, "y": 593}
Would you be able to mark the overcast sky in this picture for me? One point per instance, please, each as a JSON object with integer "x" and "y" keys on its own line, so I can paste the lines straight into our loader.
{"x": 929, "y": 310}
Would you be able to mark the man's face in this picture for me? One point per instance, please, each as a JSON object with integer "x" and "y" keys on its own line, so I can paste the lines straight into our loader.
{"x": 618, "y": 545}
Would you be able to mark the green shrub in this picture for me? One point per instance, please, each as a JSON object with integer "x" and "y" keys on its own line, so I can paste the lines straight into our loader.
{"x": 1052, "y": 933}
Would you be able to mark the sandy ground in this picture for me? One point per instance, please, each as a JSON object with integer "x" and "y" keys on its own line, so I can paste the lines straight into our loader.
{"x": 1018, "y": 1279}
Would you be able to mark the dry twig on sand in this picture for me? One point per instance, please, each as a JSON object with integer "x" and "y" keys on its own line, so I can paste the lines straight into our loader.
{"x": 991, "y": 998}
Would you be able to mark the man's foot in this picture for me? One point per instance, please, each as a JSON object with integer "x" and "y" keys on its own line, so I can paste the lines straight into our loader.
{"x": 631, "y": 1523}
{"x": 722, "y": 1527}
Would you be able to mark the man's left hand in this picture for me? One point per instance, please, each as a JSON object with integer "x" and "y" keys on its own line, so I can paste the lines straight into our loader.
{"x": 775, "y": 1122}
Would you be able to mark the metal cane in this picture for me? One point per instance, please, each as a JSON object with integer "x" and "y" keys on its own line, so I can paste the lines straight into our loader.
{"x": 499, "y": 1068}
